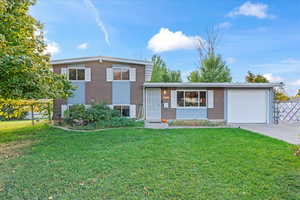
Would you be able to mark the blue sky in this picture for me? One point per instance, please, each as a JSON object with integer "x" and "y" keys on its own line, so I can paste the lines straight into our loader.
{"x": 260, "y": 36}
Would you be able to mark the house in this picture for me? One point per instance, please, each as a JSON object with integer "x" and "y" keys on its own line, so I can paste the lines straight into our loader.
{"x": 124, "y": 85}
{"x": 116, "y": 81}
{"x": 229, "y": 102}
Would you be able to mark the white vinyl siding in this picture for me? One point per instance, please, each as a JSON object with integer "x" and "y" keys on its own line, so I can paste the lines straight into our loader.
{"x": 109, "y": 74}
{"x": 210, "y": 99}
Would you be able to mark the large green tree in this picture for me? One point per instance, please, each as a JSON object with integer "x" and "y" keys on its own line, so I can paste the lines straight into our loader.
{"x": 212, "y": 69}
{"x": 161, "y": 73}
{"x": 24, "y": 67}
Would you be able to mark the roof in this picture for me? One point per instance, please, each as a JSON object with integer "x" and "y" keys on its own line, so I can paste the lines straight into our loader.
{"x": 100, "y": 59}
{"x": 220, "y": 85}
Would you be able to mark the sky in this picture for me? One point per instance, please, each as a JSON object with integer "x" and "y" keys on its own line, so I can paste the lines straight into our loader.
{"x": 258, "y": 36}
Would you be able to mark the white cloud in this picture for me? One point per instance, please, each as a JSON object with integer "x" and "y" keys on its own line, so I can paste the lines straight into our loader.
{"x": 295, "y": 83}
{"x": 224, "y": 25}
{"x": 258, "y": 10}
{"x": 272, "y": 78}
{"x": 52, "y": 47}
{"x": 82, "y": 46}
{"x": 167, "y": 40}
{"x": 230, "y": 60}
{"x": 89, "y": 4}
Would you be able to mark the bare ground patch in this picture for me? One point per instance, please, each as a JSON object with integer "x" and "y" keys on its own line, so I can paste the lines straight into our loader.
{"x": 13, "y": 149}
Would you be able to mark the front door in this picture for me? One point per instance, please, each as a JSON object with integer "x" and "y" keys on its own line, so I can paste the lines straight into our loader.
{"x": 153, "y": 104}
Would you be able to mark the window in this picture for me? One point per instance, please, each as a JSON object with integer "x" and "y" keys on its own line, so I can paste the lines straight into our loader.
{"x": 121, "y": 73}
{"x": 191, "y": 98}
{"x": 124, "y": 110}
{"x": 77, "y": 74}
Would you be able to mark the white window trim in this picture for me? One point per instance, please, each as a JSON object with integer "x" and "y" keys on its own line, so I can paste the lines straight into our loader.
{"x": 120, "y": 67}
{"x": 76, "y": 68}
{"x": 190, "y": 107}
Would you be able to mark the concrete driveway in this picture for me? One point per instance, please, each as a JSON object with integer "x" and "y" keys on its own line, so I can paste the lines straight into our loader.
{"x": 287, "y": 132}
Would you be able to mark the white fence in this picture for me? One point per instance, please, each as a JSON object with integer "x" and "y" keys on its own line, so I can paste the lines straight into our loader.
{"x": 288, "y": 111}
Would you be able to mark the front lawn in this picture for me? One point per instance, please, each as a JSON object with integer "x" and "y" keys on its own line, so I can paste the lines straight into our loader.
{"x": 151, "y": 164}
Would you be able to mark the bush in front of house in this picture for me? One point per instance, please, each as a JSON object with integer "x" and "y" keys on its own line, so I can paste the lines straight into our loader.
{"x": 96, "y": 116}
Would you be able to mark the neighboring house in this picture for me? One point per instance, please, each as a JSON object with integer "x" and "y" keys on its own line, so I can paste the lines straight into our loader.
{"x": 124, "y": 85}
{"x": 116, "y": 81}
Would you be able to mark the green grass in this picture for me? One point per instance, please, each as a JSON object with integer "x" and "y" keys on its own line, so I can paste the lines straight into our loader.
{"x": 17, "y": 130}
{"x": 151, "y": 164}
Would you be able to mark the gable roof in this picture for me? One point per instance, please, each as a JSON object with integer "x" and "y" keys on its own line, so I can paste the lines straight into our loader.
{"x": 220, "y": 85}
{"x": 100, "y": 59}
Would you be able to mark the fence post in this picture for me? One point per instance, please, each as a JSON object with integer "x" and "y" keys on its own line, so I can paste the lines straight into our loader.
{"x": 32, "y": 115}
{"x": 49, "y": 112}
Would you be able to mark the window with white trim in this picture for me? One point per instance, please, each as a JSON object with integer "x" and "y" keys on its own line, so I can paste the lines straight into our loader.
{"x": 120, "y": 74}
{"x": 76, "y": 74}
{"x": 124, "y": 110}
{"x": 191, "y": 98}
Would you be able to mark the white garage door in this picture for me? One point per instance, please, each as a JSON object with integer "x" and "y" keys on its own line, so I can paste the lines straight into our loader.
{"x": 247, "y": 106}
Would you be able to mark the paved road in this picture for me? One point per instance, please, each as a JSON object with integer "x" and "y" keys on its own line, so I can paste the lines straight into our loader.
{"x": 287, "y": 132}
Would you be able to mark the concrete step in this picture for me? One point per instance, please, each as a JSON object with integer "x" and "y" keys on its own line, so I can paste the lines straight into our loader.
{"x": 156, "y": 125}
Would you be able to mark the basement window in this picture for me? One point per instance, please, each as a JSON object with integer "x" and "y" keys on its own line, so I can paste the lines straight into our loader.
{"x": 123, "y": 110}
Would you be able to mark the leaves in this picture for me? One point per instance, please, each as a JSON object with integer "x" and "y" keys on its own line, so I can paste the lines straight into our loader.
{"x": 212, "y": 69}
{"x": 161, "y": 73}
{"x": 24, "y": 68}
{"x": 252, "y": 78}
{"x": 17, "y": 109}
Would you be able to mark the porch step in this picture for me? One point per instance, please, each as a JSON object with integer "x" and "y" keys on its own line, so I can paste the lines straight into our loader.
{"x": 156, "y": 125}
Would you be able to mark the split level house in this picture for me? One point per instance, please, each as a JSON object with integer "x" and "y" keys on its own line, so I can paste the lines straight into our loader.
{"x": 124, "y": 84}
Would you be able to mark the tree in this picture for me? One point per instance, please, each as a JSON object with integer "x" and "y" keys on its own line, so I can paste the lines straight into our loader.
{"x": 194, "y": 76}
{"x": 211, "y": 68}
{"x": 252, "y": 78}
{"x": 24, "y": 67}
{"x": 279, "y": 94}
{"x": 161, "y": 73}
{"x": 298, "y": 94}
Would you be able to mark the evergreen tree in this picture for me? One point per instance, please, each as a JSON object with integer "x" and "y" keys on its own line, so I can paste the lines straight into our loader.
{"x": 161, "y": 73}
{"x": 212, "y": 69}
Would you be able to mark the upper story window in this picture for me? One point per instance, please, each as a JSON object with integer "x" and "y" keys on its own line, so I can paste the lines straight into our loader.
{"x": 76, "y": 74}
{"x": 191, "y": 98}
{"x": 121, "y": 73}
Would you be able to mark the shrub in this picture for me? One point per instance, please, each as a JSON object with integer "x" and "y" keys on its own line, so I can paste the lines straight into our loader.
{"x": 99, "y": 112}
{"x": 96, "y": 116}
{"x": 76, "y": 115}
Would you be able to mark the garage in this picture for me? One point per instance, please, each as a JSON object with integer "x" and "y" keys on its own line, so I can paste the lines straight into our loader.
{"x": 247, "y": 105}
